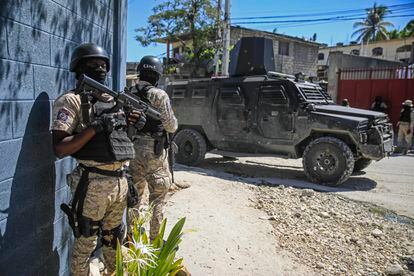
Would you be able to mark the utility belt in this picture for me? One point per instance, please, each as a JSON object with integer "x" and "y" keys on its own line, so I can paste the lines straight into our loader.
{"x": 81, "y": 225}
{"x": 153, "y": 141}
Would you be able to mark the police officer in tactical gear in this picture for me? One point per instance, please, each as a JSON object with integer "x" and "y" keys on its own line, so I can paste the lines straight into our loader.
{"x": 91, "y": 128}
{"x": 150, "y": 165}
{"x": 405, "y": 127}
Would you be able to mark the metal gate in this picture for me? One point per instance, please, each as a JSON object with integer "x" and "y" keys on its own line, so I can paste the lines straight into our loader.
{"x": 361, "y": 86}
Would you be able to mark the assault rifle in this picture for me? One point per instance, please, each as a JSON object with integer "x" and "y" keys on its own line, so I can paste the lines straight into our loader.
{"x": 129, "y": 101}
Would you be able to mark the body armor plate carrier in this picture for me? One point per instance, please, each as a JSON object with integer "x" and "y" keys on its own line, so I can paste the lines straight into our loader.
{"x": 108, "y": 147}
{"x": 405, "y": 115}
{"x": 152, "y": 127}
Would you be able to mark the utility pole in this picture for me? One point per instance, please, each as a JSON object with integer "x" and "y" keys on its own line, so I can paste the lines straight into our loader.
{"x": 226, "y": 37}
{"x": 219, "y": 41}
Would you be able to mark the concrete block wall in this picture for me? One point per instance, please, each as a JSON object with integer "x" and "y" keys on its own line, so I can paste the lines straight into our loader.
{"x": 36, "y": 40}
{"x": 305, "y": 59}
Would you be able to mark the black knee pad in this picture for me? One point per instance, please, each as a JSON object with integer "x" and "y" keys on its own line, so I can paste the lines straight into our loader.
{"x": 110, "y": 237}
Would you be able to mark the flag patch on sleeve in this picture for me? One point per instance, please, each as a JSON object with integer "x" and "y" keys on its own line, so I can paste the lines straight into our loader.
{"x": 63, "y": 115}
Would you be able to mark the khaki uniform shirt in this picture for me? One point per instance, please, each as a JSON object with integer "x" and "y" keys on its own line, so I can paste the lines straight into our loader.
{"x": 67, "y": 117}
{"x": 159, "y": 99}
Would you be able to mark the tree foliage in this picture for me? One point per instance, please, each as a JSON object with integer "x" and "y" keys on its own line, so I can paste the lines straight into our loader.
{"x": 407, "y": 31}
{"x": 190, "y": 22}
{"x": 373, "y": 27}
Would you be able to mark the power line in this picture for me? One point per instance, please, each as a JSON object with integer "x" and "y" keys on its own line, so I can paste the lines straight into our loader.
{"x": 295, "y": 10}
{"x": 391, "y": 8}
{"x": 329, "y": 19}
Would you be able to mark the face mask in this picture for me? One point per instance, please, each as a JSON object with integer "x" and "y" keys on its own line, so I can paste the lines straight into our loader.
{"x": 94, "y": 69}
{"x": 150, "y": 77}
{"x": 96, "y": 73}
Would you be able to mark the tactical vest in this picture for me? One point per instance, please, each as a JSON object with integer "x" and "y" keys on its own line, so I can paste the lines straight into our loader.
{"x": 108, "y": 147}
{"x": 152, "y": 126}
{"x": 405, "y": 115}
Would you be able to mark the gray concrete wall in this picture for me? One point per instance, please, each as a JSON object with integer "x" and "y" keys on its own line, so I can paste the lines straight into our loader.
{"x": 36, "y": 40}
{"x": 338, "y": 60}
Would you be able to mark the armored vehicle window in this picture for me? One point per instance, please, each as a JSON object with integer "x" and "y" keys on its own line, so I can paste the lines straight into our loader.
{"x": 199, "y": 93}
{"x": 178, "y": 92}
{"x": 231, "y": 95}
{"x": 273, "y": 94}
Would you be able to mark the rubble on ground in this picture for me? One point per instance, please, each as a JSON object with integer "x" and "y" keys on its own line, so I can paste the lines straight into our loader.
{"x": 335, "y": 235}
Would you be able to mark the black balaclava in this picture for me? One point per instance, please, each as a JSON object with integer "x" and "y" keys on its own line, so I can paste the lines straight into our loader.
{"x": 99, "y": 74}
{"x": 149, "y": 76}
{"x": 407, "y": 107}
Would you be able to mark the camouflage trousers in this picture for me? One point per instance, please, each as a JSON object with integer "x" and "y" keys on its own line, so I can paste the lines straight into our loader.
{"x": 404, "y": 138}
{"x": 154, "y": 171}
{"x": 105, "y": 201}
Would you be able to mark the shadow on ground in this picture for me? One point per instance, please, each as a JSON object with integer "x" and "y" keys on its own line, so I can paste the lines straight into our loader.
{"x": 258, "y": 173}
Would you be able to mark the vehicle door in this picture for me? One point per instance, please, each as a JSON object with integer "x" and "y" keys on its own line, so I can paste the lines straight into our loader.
{"x": 231, "y": 111}
{"x": 275, "y": 117}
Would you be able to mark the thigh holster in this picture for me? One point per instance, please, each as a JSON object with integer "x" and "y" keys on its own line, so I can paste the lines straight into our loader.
{"x": 81, "y": 225}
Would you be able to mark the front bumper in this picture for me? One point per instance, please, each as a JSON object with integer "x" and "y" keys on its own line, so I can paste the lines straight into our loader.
{"x": 383, "y": 145}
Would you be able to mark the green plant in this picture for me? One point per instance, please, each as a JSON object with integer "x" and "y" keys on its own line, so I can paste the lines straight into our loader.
{"x": 141, "y": 257}
{"x": 190, "y": 23}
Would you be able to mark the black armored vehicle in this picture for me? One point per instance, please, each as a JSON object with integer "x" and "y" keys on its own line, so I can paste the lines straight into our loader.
{"x": 260, "y": 112}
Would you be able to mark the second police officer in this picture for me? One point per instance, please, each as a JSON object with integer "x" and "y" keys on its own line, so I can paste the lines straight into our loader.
{"x": 150, "y": 165}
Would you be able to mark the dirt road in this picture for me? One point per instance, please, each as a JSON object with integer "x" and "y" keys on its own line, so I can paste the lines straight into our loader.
{"x": 231, "y": 238}
{"x": 228, "y": 238}
{"x": 388, "y": 183}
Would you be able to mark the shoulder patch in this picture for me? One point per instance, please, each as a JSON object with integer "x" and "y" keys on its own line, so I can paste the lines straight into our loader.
{"x": 62, "y": 115}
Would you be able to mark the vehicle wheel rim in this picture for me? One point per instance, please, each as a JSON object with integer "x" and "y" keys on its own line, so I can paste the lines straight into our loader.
{"x": 188, "y": 148}
{"x": 326, "y": 162}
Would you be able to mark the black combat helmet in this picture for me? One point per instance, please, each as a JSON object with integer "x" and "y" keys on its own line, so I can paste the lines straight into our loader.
{"x": 88, "y": 50}
{"x": 150, "y": 63}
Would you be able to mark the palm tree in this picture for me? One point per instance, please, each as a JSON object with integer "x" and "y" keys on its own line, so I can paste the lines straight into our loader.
{"x": 409, "y": 29}
{"x": 373, "y": 27}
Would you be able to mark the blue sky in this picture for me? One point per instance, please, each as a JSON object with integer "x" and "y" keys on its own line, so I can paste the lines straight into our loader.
{"x": 139, "y": 10}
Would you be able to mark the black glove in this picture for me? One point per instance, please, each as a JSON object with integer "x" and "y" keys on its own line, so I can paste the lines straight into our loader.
{"x": 141, "y": 122}
{"x": 104, "y": 122}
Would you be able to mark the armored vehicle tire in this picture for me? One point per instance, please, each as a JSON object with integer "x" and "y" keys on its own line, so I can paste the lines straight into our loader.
{"x": 328, "y": 161}
{"x": 192, "y": 147}
{"x": 361, "y": 164}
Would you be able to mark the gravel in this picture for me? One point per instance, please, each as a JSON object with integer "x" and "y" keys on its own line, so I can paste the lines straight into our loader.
{"x": 335, "y": 235}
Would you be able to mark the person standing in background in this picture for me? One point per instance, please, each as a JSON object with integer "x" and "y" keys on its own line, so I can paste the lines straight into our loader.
{"x": 405, "y": 127}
